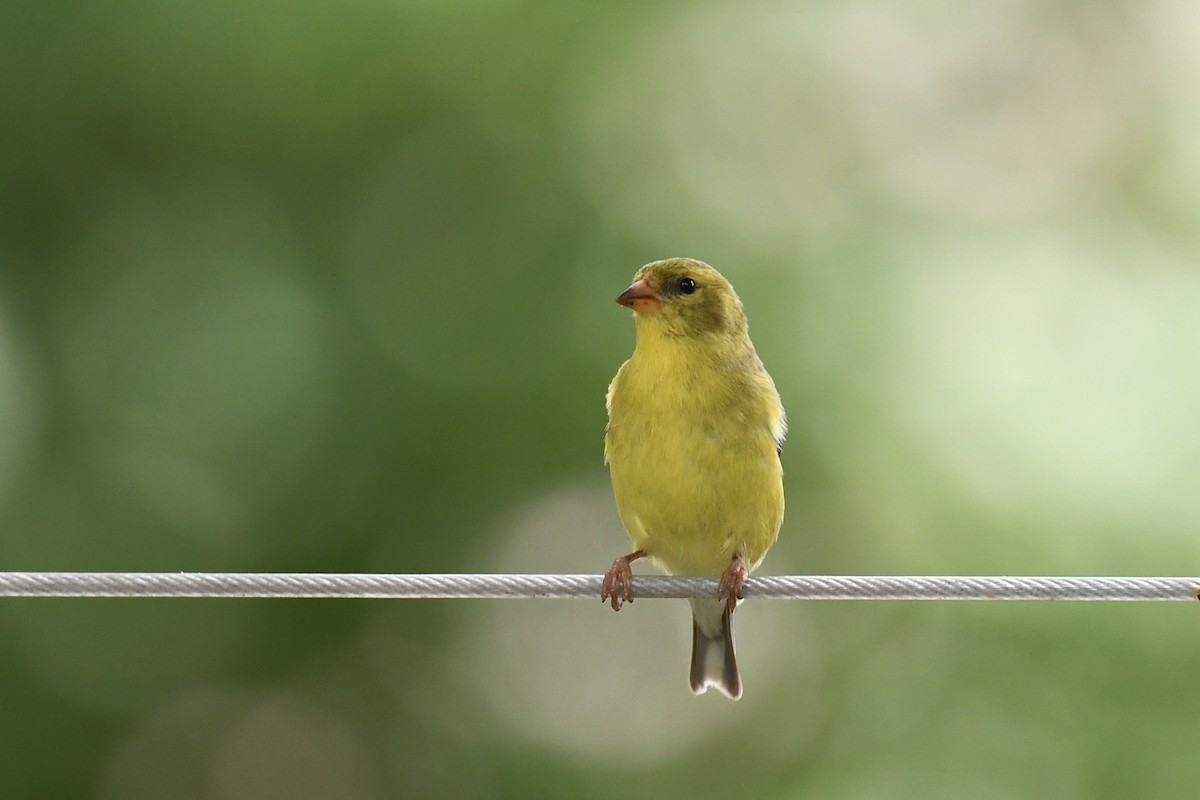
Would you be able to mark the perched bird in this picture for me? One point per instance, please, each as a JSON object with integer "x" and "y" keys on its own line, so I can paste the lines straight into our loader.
{"x": 693, "y": 444}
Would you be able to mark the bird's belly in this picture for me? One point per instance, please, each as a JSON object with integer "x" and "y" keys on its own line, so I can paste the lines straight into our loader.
{"x": 692, "y": 500}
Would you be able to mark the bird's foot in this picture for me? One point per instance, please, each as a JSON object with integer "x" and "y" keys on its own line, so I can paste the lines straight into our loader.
{"x": 732, "y": 581}
{"x": 617, "y": 586}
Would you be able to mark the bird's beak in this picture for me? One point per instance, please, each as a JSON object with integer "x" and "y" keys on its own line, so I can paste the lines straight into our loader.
{"x": 640, "y": 297}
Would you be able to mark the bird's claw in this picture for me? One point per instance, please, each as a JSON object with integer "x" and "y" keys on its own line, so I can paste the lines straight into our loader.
{"x": 617, "y": 586}
{"x": 732, "y": 581}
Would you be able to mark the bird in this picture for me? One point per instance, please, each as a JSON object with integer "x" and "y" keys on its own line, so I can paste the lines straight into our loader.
{"x": 694, "y": 447}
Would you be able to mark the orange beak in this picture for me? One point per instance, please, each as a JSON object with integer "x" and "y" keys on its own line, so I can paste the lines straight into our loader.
{"x": 640, "y": 297}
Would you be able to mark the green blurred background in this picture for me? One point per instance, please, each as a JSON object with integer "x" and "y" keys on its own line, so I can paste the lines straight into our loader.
{"x": 329, "y": 287}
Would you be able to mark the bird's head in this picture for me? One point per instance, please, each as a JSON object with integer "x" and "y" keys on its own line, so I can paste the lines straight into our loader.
{"x": 685, "y": 296}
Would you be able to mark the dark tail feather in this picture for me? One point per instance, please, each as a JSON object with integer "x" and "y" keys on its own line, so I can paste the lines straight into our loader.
{"x": 713, "y": 660}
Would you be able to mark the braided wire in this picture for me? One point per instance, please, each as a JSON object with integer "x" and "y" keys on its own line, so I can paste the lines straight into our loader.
{"x": 517, "y": 586}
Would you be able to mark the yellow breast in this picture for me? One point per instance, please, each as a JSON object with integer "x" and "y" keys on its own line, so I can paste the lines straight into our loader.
{"x": 692, "y": 449}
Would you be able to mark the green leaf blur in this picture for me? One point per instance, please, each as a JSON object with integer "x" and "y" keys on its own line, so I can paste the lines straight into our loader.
{"x": 329, "y": 287}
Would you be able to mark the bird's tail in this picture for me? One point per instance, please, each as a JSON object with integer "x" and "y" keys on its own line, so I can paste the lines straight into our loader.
{"x": 713, "y": 661}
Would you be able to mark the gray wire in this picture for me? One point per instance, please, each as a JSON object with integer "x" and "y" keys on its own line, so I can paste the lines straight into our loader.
{"x": 500, "y": 586}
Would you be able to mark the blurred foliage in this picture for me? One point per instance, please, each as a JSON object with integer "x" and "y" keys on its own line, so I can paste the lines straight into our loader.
{"x": 305, "y": 286}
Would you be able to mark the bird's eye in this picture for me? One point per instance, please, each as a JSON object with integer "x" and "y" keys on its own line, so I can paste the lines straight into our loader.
{"x": 687, "y": 285}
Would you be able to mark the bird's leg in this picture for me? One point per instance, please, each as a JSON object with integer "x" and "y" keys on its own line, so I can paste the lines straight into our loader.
{"x": 732, "y": 581}
{"x": 618, "y": 581}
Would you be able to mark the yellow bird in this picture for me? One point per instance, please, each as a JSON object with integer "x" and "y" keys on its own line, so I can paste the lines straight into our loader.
{"x": 693, "y": 444}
